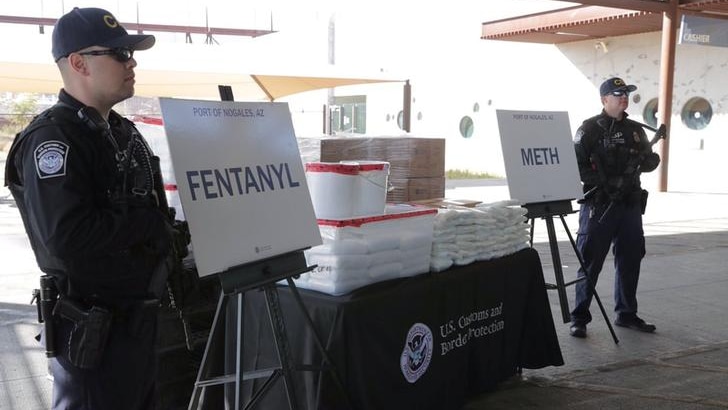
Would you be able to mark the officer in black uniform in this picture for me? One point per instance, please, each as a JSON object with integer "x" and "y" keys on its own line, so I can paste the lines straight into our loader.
{"x": 83, "y": 179}
{"x": 612, "y": 151}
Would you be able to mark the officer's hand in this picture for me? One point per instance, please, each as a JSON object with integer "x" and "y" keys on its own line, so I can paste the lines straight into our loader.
{"x": 650, "y": 162}
{"x": 615, "y": 182}
{"x": 613, "y": 190}
{"x": 162, "y": 238}
{"x": 182, "y": 238}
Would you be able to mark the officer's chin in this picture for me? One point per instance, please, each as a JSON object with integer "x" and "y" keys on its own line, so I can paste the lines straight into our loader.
{"x": 127, "y": 93}
{"x": 129, "y": 85}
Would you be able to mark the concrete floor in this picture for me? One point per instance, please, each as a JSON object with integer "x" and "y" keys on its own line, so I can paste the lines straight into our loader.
{"x": 683, "y": 290}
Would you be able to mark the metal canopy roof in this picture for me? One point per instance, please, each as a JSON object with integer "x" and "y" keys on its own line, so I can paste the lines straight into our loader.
{"x": 595, "y": 19}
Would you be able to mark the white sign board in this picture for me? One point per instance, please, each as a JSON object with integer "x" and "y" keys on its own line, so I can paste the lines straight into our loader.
{"x": 241, "y": 181}
{"x": 539, "y": 156}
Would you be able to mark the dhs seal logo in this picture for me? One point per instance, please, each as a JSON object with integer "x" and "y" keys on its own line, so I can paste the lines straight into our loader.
{"x": 50, "y": 159}
{"x": 417, "y": 352}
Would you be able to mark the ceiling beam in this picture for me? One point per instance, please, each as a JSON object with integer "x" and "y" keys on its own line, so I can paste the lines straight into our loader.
{"x": 142, "y": 27}
{"x": 554, "y": 20}
{"x": 44, "y": 21}
{"x": 653, "y": 6}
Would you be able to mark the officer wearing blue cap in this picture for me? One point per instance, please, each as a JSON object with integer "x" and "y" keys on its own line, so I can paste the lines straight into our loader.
{"x": 88, "y": 191}
{"x": 612, "y": 151}
{"x": 83, "y": 28}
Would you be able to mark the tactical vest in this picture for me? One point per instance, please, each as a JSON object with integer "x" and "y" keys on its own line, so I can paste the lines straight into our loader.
{"x": 619, "y": 148}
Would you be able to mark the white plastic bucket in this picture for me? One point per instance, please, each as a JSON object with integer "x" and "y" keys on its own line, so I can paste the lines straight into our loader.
{"x": 371, "y": 193}
{"x": 333, "y": 187}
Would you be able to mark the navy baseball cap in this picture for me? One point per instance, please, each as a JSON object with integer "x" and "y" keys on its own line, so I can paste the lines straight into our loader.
{"x": 615, "y": 84}
{"x": 86, "y": 27}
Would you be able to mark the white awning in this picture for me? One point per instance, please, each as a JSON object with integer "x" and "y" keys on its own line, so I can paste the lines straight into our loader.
{"x": 183, "y": 71}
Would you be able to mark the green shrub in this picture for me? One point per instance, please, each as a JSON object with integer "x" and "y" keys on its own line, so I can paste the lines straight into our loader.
{"x": 466, "y": 174}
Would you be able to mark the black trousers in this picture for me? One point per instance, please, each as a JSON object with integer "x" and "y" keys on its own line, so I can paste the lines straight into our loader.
{"x": 621, "y": 229}
{"x": 124, "y": 380}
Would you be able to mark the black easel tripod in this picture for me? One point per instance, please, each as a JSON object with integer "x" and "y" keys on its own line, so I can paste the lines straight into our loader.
{"x": 261, "y": 275}
{"x": 547, "y": 211}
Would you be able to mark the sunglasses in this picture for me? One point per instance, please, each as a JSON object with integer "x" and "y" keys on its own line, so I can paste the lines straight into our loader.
{"x": 120, "y": 54}
{"x": 620, "y": 93}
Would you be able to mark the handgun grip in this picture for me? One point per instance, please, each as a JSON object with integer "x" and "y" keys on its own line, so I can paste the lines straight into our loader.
{"x": 71, "y": 310}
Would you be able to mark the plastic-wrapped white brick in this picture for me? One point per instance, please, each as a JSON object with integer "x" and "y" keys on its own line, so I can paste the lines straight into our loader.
{"x": 464, "y": 235}
{"x": 361, "y": 251}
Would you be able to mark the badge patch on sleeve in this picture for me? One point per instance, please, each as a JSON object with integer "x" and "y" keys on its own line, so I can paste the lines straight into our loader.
{"x": 50, "y": 159}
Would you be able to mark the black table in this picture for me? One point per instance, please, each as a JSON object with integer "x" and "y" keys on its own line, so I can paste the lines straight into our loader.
{"x": 485, "y": 321}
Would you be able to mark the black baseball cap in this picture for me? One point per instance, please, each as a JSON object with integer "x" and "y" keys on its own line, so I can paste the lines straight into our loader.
{"x": 615, "y": 84}
{"x": 86, "y": 27}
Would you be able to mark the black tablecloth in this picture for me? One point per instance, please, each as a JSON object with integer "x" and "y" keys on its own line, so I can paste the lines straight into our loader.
{"x": 486, "y": 320}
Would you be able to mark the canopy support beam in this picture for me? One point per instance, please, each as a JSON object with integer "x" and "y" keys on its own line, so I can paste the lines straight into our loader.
{"x": 670, "y": 26}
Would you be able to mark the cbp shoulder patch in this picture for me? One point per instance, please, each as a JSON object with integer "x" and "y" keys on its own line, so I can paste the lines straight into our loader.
{"x": 50, "y": 159}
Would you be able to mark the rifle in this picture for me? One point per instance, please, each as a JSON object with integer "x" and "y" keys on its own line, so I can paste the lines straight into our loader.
{"x": 634, "y": 164}
{"x": 170, "y": 269}
{"x": 631, "y": 170}
{"x": 191, "y": 298}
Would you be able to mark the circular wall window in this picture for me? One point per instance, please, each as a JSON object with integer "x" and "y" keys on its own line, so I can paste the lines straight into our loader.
{"x": 636, "y": 98}
{"x": 419, "y": 116}
{"x": 466, "y": 127}
{"x": 696, "y": 113}
{"x": 400, "y": 119}
{"x": 650, "y": 112}
{"x": 476, "y": 107}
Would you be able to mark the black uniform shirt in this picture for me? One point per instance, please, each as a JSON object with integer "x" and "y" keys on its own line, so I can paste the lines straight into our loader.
{"x": 614, "y": 145}
{"x": 65, "y": 175}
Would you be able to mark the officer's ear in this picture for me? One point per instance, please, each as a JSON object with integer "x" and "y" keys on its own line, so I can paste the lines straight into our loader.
{"x": 93, "y": 119}
{"x": 77, "y": 63}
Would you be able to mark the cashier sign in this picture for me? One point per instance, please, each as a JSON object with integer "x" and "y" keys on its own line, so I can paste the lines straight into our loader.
{"x": 240, "y": 180}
